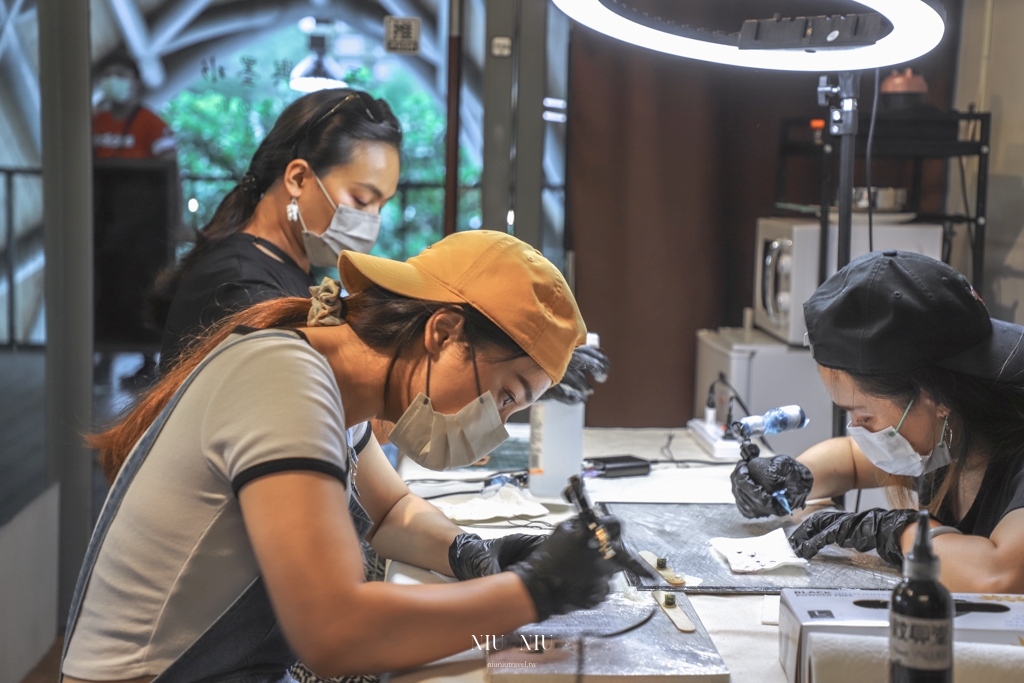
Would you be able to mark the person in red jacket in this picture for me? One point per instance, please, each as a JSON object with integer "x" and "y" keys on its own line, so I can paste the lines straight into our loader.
{"x": 124, "y": 128}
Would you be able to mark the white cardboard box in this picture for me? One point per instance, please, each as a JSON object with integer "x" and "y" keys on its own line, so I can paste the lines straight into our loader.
{"x": 995, "y": 619}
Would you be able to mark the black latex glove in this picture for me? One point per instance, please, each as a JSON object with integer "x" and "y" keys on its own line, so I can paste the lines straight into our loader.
{"x": 874, "y": 529}
{"x": 753, "y": 489}
{"x": 471, "y": 557}
{"x": 568, "y": 572}
{"x": 575, "y": 385}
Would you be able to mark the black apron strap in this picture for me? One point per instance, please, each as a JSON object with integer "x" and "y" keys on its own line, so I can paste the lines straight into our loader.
{"x": 124, "y": 479}
{"x": 244, "y": 645}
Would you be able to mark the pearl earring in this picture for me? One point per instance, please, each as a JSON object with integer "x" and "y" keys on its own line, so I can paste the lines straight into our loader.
{"x": 293, "y": 210}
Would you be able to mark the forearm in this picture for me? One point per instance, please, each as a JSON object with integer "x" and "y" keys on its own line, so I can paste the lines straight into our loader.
{"x": 385, "y": 627}
{"x": 838, "y": 466}
{"x": 831, "y": 463}
{"x": 416, "y": 532}
{"x": 971, "y": 564}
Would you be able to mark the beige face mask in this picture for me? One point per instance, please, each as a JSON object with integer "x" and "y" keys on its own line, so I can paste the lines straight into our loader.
{"x": 440, "y": 442}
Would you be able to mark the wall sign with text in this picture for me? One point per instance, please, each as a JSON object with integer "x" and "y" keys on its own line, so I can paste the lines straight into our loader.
{"x": 402, "y": 35}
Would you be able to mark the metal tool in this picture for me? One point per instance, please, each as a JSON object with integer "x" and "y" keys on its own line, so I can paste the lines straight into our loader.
{"x": 576, "y": 494}
{"x": 775, "y": 421}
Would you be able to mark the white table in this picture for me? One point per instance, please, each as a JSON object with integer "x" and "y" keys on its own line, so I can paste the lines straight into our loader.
{"x": 750, "y": 649}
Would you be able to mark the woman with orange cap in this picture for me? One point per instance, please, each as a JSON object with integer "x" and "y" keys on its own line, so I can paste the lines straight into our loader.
{"x": 227, "y": 548}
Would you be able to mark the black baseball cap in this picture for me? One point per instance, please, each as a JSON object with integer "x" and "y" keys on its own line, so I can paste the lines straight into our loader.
{"x": 888, "y": 312}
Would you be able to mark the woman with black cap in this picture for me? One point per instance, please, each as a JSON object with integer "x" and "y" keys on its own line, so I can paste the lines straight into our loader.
{"x": 935, "y": 392}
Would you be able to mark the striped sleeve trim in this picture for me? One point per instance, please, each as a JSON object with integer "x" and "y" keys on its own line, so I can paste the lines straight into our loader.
{"x": 287, "y": 465}
{"x": 364, "y": 439}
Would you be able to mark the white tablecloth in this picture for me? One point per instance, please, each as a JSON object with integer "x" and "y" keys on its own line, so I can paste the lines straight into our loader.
{"x": 749, "y": 648}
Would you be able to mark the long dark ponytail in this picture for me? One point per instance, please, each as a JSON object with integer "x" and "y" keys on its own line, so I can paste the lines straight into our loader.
{"x": 324, "y": 128}
{"x": 384, "y": 321}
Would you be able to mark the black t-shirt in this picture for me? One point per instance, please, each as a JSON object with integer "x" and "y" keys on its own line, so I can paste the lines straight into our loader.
{"x": 1001, "y": 492}
{"x": 231, "y": 275}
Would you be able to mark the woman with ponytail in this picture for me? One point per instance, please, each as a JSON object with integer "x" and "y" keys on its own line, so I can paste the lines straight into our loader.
{"x": 228, "y": 547}
{"x": 315, "y": 186}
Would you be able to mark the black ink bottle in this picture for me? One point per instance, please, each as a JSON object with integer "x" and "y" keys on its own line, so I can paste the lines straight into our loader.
{"x": 921, "y": 618}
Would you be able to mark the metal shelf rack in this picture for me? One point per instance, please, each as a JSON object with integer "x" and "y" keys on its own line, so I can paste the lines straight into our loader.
{"x": 913, "y": 136}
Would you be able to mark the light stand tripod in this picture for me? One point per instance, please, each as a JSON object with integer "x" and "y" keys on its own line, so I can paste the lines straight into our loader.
{"x": 841, "y": 100}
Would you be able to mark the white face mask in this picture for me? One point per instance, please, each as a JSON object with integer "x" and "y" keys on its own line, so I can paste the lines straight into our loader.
{"x": 350, "y": 229}
{"x": 891, "y": 452}
{"x": 116, "y": 88}
{"x": 440, "y": 442}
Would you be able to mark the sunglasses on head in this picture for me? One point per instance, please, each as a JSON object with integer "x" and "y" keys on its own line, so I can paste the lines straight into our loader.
{"x": 357, "y": 98}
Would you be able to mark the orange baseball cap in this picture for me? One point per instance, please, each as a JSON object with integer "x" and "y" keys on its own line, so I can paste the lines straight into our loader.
{"x": 502, "y": 277}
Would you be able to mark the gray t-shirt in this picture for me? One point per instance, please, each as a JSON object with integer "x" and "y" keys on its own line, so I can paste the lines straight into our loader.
{"x": 177, "y": 553}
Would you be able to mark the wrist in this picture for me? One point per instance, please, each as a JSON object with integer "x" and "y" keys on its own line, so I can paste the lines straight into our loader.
{"x": 523, "y": 599}
{"x": 461, "y": 565}
{"x": 542, "y": 589}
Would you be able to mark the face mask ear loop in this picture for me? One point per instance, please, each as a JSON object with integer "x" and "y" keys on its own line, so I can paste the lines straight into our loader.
{"x": 476, "y": 372}
{"x": 904, "y": 418}
{"x": 428, "y": 376}
{"x": 302, "y": 221}
{"x": 326, "y": 193}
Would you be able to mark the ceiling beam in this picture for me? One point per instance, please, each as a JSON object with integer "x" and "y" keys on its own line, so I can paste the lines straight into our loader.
{"x": 7, "y": 23}
{"x": 176, "y": 17}
{"x": 24, "y": 81}
{"x": 212, "y": 27}
{"x": 136, "y": 36}
{"x": 191, "y": 28}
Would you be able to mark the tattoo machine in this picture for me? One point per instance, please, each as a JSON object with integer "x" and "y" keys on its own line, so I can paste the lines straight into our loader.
{"x": 775, "y": 421}
{"x": 576, "y": 494}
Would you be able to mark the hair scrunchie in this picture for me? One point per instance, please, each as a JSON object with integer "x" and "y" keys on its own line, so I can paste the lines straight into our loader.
{"x": 250, "y": 185}
{"x": 327, "y": 308}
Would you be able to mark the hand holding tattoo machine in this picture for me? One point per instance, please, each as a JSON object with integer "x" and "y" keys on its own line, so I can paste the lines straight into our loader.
{"x": 605, "y": 530}
{"x": 775, "y": 421}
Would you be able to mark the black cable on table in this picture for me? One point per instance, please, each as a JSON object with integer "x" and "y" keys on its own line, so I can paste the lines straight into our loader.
{"x": 490, "y": 476}
{"x": 691, "y": 461}
{"x": 580, "y": 640}
{"x": 453, "y": 493}
{"x": 736, "y": 395}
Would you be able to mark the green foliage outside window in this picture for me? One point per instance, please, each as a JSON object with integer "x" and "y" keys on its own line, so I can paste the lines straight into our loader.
{"x": 221, "y": 117}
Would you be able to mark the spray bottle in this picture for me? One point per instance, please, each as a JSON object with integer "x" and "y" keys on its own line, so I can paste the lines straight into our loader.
{"x": 921, "y": 618}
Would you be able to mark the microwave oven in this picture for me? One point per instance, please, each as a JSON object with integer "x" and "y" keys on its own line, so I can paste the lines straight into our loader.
{"x": 786, "y": 269}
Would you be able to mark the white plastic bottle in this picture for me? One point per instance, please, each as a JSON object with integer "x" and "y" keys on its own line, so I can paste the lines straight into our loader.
{"x": 556, "y": 442}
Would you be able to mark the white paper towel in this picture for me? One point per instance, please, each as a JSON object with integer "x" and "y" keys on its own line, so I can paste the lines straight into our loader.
{"x": 507, "y": 502}
{"x": 838, "y": 658}
{"x": 757, "y": 553}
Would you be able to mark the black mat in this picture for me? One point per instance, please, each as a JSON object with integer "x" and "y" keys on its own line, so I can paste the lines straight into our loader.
{"x": 680, "y": 533}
